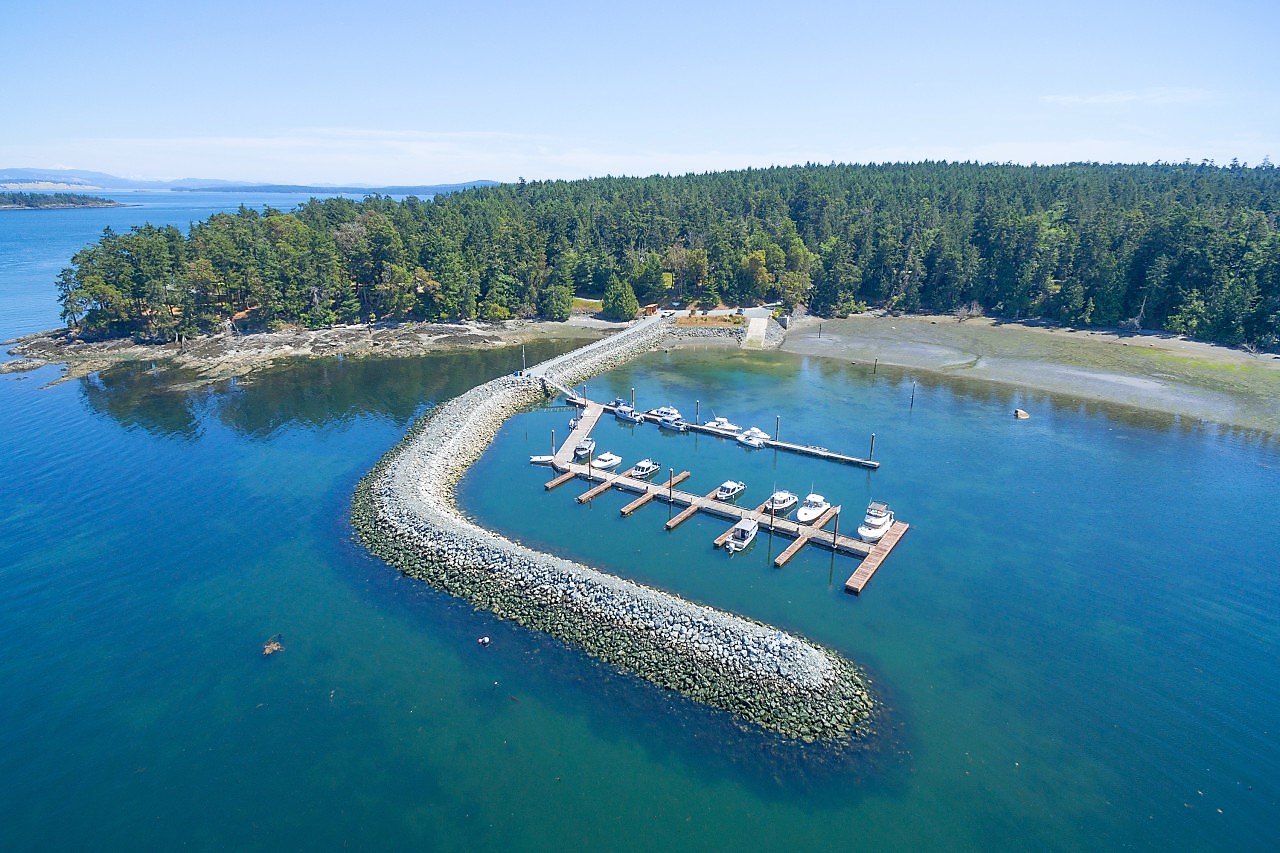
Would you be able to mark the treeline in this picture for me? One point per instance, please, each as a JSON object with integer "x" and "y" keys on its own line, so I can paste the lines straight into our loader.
{"x": 1193, "y": 249}
{"x": 35, "y": 201}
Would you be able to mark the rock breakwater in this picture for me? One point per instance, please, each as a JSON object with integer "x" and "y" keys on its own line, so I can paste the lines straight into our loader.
{"x": 405, "y": 512}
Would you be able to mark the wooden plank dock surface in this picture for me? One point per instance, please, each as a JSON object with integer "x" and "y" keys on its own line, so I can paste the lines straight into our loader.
{"x": 862, "y": 575}
{"x": 688, "y": 512}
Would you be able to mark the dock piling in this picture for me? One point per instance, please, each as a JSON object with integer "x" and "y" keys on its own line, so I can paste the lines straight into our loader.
{"x": 777, "y": 427}
{"x": 872, "y": 453}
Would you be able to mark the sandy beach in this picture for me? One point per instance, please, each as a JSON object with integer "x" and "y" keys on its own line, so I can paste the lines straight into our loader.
{"x": 1149, "y": 371}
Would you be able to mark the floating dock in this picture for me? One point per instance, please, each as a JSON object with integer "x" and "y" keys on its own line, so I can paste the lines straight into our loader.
{"x": 589, "y": 406}
{"x": 872, "y": 556}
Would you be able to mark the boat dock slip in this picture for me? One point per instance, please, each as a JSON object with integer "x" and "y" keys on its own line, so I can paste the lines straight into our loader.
{"x": 688, "y": 512}
{"x": 868, "y": 567}
{"x": 805, "y": 536}
{"x": 596, "y": 491}
{"x": 560, "y": 480}
{"x": 593, "y": 410}
{"x": 650, "y": 490}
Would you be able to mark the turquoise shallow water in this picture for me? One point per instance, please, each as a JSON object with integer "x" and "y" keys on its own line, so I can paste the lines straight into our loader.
{"x": 1077, "y": 639}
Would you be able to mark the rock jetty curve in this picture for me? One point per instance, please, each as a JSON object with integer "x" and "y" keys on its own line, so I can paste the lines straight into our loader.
{"x": 405, "y": 512}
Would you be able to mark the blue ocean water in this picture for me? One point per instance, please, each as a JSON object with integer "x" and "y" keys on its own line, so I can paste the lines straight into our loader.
{"x": 1077, "y": 640}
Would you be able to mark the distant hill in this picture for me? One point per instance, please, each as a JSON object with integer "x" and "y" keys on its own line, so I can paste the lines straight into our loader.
{"x": 23, "y": 179}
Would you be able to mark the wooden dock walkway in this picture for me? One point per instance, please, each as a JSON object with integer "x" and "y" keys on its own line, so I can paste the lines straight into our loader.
{"x": 688, "y": 512}
{"x": 591, "y": 413}
{"x": 650, "y": 490}
{"x": 589, "y": 410}
{"x": 804, "y": 537}
{"x": 862, "y": 575}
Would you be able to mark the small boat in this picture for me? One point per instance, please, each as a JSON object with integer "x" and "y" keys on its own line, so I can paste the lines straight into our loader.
{"x": 674, "y": 424}
{"x": 542, "y": 460}
{"x": 666, "y": 412}
{"x": 1021, "y": 414}
{"x": 730, "y": 489}
{"x": 585, "y": 447}
{"x": 645, "y": 468}
{"x": 780, "y": 502}
{"x": 273, "y": 645}
{"x": 617, "y": 401}
{"x": 812, "y": 509}
{"x": 756, "y": 432}
{"x": 606, "y": 460}
{"x": 628, "y": 414}
{"x": 878, "y": 520}
{"x": 723, "y": 424}
{"x": 746, "y": 439}
{"x": 744, "y": 533}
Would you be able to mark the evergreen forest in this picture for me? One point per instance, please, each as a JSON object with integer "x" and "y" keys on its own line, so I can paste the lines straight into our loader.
{"x": 1188, "y": 248}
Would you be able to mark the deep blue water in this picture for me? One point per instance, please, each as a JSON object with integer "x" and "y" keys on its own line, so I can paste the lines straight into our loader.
{"x": 1077, "y": 639}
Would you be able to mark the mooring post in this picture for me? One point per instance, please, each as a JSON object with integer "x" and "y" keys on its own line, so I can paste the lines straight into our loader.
{"x": 836, "y": 532}
{"x": 913, "y": 397}
{"x": 633, "y": 398}
{"x": 873, "y": 446}
{"x": 777, "y": 427}
{"x": 874, "y": 366}
{"x": 819, "y": 330}
{"x": 671, "y": 486}
{"x": 553, "y": 442}
{"x": 697, "y": 412}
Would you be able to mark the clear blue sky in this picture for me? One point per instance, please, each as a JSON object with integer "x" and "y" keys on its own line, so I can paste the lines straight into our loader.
{"x": 424, "y": 92}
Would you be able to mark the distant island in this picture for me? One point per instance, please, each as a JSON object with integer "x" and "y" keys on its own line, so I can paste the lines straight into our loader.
{"x": 52, "y": 201}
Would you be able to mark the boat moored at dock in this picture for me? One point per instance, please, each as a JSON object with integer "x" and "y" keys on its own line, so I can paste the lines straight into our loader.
{"x": 743, "y": 534}
{"x": 730, "y": 489}
{"x": 645, "y": 468}
{"x": 877, "y": 522}
{"x": 585, "y": 448}
{"x": 606, "y": 461}
{"x": 674, "y": 424}
{"x": 812, "y": 508}
{"x": 723, "y": 424}
{"x": 780, "y": 502}
{"x": 746, "y": 439}
{"x": 627, "y": 414}
{"x": 666, "y": 412}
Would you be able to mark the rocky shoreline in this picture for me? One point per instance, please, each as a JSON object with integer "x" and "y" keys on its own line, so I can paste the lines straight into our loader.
{"x": 404, "y": 511}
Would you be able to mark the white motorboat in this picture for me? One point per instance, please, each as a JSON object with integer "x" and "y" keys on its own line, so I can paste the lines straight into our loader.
{"x": 606, "y": 460}
{"x": 645, "y": 468}
{"x": 746, "y": 439}
{"x": 780, "y": 502}
{"x": 541, "y": 460}
{"x": 877, "y": 522}
{"x": 730, "y": 489}
{"x": 674, "y": 424}
{"x": 744, "y": 533}
{"x": 617, "y": 401}
{"x": 585, "y": 447}
{"x": 666, "y": 412}
{"x": 628, "y": 415}
{"x": 723, "y": 424}
{"x": 812, "y": 508}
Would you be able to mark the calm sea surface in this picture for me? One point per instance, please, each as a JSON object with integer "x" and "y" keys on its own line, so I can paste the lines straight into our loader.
{"x": 1077, "y": 640}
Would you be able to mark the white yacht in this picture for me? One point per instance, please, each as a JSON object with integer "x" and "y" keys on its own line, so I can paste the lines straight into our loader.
{"x": 666, "y": 412}
{"x": 585, "y": 447}
{"x": 723, "y": 424}
{"x": 542, "y": 460}
{"x": 730, "y": 489}
{"x": 628, "y": 415}
{"x": 780, "y": 502}
{"x": 812, "y": 509}
{"x": 674, "y": 424}
{"x": 645, "y": 468}
{"x": 744, "y": 533}
{"x": 747, "y": 439}
{"x": 877, "y": 522}
{"x": 606, "y": 460}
